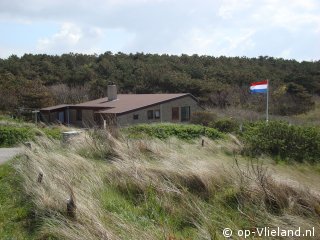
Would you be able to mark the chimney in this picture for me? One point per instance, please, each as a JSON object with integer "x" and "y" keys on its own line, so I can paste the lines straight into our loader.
{"x": 112, "y": 91}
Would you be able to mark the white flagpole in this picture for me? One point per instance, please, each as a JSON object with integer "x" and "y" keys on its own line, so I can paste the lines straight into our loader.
{"x": 267, "y": 114}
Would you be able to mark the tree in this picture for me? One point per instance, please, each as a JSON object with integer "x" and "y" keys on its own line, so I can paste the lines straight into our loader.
{"x": 34, "y": 95}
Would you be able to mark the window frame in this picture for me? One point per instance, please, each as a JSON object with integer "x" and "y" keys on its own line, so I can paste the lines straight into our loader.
{"x": 188, "y": 112}
{"x": 155, "y": 116}
{"x": 150, "y": 115}
{"x": 135, "y": 116}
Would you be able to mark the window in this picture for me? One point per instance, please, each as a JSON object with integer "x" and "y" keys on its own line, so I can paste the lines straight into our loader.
{"x": 150, "y": 114}
{"x": 60, "y": 117}
{"x": 175, "y": 113}
{"x": 185, "y": 114}
{"x": 157, "y": 114}
{"x": 79, "y": 115}
{"x": 135, "y": 116}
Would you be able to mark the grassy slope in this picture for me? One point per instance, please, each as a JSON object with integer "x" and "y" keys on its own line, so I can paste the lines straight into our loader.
{"x": 152, "y": 189}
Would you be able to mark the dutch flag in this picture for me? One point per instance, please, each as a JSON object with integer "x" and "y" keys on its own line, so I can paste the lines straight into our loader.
{"x": 259, "y": 87}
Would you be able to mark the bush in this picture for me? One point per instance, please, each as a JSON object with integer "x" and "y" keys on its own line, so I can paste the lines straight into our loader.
{"x": 282, "y": 140}
{"x": 10, "y": 135}
{"x": 225, "y": 125}
{"x": 165, "y": 130}
{"x": 54, "y": 133}
{"x": 203, "y": 118}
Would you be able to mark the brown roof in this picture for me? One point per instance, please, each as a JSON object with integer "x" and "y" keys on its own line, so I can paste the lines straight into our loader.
{"x": 55, "y": 107}
{"x": 126, "y": 102}
{"x": 129, "y": 102}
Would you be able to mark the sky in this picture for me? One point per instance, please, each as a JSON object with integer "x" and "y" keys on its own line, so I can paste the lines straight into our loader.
{"x": 288, "y": 29}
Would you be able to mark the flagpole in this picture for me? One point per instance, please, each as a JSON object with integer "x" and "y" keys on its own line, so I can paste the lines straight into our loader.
{"x": 267, "y": 114}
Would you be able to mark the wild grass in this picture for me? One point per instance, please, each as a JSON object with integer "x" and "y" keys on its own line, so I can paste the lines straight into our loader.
{"x": 16, "y": 220}
{"x": 156, "y": 189}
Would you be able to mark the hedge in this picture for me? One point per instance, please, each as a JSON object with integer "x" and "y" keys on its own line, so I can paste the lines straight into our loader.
{"x": 280, "y": 139}
{"x": 165, "y": 130}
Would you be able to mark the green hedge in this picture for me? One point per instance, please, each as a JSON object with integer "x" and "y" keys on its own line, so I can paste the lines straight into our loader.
{"x": 165, "y": 130}
{"x": 280, "y": 139}
{"x": 10, "y": 135}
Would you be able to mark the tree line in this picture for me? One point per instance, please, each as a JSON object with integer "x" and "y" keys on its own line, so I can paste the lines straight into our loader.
{"x": 35, "y": 81}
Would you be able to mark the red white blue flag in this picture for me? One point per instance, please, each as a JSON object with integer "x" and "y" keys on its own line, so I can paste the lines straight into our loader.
{"x": 259, "y": 87}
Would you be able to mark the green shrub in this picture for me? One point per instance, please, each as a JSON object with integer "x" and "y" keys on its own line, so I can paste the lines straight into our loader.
{"x": 11, "y": 135}
{"x": 203, "y": 118}
{"x": 225, "y": 125}
{"x": 54, "y": 133}
{"x": 284, "y": 141}
{"x": 165, "y": 130}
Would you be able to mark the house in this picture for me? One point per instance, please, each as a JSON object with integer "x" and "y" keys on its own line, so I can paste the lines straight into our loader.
{"x": 124, "y": 109}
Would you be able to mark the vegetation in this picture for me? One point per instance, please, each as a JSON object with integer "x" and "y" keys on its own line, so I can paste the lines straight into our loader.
{"x": 10, "y": 135}
{"x": 16, "y": 220}
{"x": 155, "y": 189}
{"x": 282, "y": 140}
{"x": 166, "y": 130}
{"x": 34, "y": 81}
{"x": 203, "y": 118}
{"x": 227, "y": 125}
{"x": 14, "y": 132}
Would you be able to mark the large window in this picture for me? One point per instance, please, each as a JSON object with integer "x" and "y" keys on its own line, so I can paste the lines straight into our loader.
{"x": 150, "y": 114}
{"x": 157, "y": 114}
{"x": 175, "y": 113}
{"x": 185, "y": 114}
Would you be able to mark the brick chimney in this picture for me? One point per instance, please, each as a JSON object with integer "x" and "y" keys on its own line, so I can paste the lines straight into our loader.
{"x": 112, "y": 91}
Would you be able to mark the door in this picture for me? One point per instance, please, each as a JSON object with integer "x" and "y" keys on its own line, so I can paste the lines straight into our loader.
{"x": 175, "y": 114}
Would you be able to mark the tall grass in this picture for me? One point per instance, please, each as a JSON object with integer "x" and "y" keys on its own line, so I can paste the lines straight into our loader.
{"x": 154, "y": 189}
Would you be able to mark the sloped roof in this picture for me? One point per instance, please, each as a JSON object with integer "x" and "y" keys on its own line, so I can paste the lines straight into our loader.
{"x": 55, "y": 107}
{"x": 127, "y": 102}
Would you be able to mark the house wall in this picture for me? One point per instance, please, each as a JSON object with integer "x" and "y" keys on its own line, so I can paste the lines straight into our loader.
{"x": 88, "y": 118}
{"x": 52, "y": 116}
{"x": 44, "y": 116}
{"x": 73, "y": 118}
{"x": 165, "y": 112}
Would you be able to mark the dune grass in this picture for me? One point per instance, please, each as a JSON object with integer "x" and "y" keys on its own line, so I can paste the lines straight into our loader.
{"x": 155, "y": 189}
{"x": 16, "y": 220}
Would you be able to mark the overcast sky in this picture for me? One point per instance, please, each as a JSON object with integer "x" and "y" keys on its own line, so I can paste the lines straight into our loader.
{"x": 280, "y": 28}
